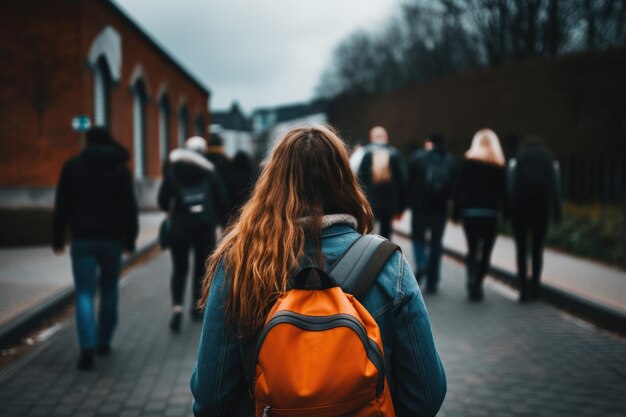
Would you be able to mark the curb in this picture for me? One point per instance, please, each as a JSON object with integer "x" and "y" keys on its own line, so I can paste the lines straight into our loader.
{"x": 599, "y": 315}
{"x": 11, "y": 332}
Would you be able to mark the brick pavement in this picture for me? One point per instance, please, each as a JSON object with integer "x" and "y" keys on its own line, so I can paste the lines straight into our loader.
{"x": 501, "y": 358}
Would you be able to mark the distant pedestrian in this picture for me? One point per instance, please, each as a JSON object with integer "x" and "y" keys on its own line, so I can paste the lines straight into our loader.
{"x": 95, "y": 198}
{"x": 383, "y": 175}
{"x": 216, "y": 153}
{"x": 432, "y": 176}
{"x": 240, "y": 183}
{"x": 356, "y": 157}
{"x": 194, "y": 195}
{"x": 535, "y": 198}
{"x": 480, "y": 197}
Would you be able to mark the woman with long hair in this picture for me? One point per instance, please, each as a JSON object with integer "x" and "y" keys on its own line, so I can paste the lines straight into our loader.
{"x": 480, "y": 196}
{"x": 306, "y": 202}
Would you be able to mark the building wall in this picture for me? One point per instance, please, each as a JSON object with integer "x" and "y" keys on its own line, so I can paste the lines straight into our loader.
{"x": 46, "y": 80}
{"x": 40, "y": 90}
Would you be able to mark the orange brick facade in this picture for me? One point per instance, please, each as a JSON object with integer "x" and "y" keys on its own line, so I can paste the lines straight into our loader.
{"x": 46, "y": 79}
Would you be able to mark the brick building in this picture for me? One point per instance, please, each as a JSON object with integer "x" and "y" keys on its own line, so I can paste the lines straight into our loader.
{"x": 66, "y": 58}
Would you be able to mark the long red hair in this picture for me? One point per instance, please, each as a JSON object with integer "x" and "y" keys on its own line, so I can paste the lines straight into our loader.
{"x": 307, "y": 175}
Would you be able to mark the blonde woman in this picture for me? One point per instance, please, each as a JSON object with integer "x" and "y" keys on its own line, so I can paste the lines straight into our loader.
{"x": 306, "y": 201}
{"x": 480, "y": 196}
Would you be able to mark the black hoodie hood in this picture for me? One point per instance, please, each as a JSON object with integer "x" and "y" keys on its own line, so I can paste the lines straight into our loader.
{"x": 104, "y": 156}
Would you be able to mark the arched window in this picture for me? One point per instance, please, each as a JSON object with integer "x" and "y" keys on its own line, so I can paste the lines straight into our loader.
{"x": 140, "y": 98}
{"x": 101, "y": 94}
{"x": 183, "y": 118}
{"x": 164, "y": 126}
{"x": 105, "y": 58}
{"x": 199, "y": 125}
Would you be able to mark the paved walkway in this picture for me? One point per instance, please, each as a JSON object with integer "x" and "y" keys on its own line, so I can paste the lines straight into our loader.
{"x": 31, "y": 275}
{"x": 501, "y": 358}
{"x": 586, "y": 279}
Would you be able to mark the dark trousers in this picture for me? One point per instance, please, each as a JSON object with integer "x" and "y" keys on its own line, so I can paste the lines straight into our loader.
{"x": 537, "y": 229}
{"x": 428, "y": 252}
{"x": 480, "y": 233}
{"x": 202, "y": 243}
{"x": 385, "y": 219}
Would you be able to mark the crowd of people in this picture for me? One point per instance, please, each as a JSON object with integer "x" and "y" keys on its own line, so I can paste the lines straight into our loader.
{"x": 291, "y": 242}
{"x": 477, "y": 191}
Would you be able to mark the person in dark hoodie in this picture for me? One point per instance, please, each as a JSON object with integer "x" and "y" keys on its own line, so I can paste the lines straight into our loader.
{"x": 480, "y": 197}
{"x": 432, "y": 176}
{"x": 534, "y": 184}
{"x": 241, "y": 182}
{"x": 95, "y": 198}
{"x": 193, "y": 193}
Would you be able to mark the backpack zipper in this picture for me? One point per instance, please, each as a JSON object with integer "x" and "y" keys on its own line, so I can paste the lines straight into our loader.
{"x": 321, "y": 323}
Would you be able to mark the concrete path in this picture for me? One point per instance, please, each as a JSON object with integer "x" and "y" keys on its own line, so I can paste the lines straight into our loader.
{"x": 31, "y": 275}
{"x": 501, "y": 358}
{"x": 583, "y": 278}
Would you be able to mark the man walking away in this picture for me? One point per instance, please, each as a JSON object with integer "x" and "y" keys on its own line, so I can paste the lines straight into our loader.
{"x": 431, "y": 184}
{"x": 383, "y": 175}
{"x": 535, "y": 195}
{"x": 194, "y": 195}
{"x": 95, "y": 198}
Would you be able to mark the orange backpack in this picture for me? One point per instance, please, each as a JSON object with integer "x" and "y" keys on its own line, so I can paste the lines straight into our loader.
{"x": 320, "y": 353}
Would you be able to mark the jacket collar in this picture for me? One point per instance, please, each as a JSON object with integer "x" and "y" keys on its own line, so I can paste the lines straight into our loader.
{"x": 335, "y": 224}
{"x": 185, "y": 155}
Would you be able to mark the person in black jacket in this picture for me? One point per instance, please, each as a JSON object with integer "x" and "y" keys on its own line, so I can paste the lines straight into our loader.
{"x": 432, "y": 176}
{"x": 241, "y": 183}
{"x": 383, "y": 175}
{"x": 216, "y": 154}
{"x": 193, "y": 193}
{"x": 95, "y": 197}
{"x": 535, "y": 197}
{"x": 480, "y": 196}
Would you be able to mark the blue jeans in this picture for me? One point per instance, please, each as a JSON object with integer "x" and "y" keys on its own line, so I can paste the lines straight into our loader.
{"x": 428, "y": 253}
{"x": 96, "y": 262}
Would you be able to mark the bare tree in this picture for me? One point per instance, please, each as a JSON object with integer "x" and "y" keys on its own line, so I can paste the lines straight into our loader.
{"x": 433, "y": 38}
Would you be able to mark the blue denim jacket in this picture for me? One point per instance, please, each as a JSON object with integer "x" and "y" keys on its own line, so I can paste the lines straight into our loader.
{"x": 415, "y": 374}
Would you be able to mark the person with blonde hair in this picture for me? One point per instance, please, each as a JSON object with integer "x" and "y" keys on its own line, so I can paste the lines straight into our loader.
{"x": 480, "y": 196}
{"x": 307, "y": 203}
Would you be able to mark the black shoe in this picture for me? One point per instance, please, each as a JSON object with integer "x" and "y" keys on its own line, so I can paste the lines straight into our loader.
{"x": 175, "y": 322}
{"x": 475, "y": 289}
{"x": 85, "y": 361}
{"x": 419, "y": 275}
{"x": 534, "y": 292}
{"x": 197, "y": 315}
{"x": 523, "y": 297}
{"x": 476, "y": 293}
{"x": 103, "y": 350}
{"x": 431, "y": 290}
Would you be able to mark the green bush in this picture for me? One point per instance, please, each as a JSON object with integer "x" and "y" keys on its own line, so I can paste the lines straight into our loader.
{"x": 588, "y": 231}
{"x": 592, "y": 231}
{"x": 25, "y": 227}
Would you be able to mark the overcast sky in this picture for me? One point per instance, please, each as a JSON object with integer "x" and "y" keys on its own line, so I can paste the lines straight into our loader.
{"x": 259, "y": 52}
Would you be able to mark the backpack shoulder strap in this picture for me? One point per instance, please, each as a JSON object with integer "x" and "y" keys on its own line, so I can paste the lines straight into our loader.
{"x": 359, "y": 266}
